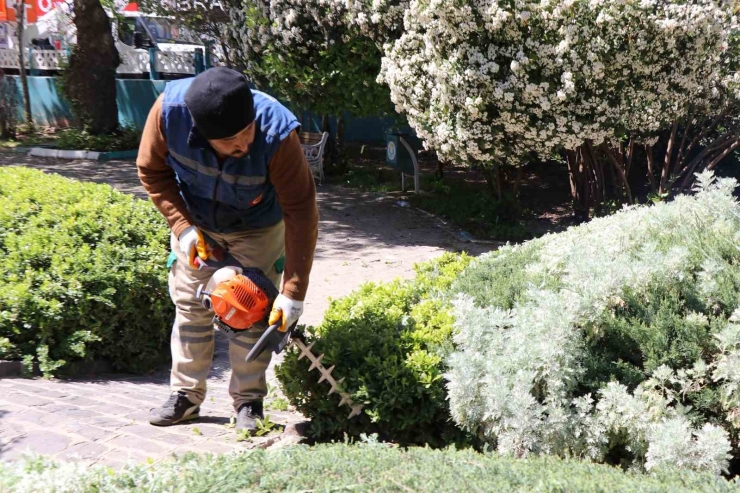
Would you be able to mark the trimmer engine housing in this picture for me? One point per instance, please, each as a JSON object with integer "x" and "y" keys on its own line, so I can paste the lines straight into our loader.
{"x": 240, "y": 302}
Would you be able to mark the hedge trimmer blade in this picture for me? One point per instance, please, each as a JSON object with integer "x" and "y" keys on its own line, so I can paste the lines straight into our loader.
{"x": 336, "y": 385}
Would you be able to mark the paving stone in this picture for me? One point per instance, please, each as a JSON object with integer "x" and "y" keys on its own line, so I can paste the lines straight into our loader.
{"x": 146, "y": 431}
{"x": 27, "y": 400}
{"x": 39, "y": 418}
{"x": 90, "y": 432}
{"x": 9, "y": 409}
{"x": 136, "y": 443}
{"x": 82, "y": 401}
{"x": 40, "y": 442}
{"x": 82, "y": 390}
{"x": 201, "y": 429}
{"x": 113, "y": 409}
{"x": 44, "y": 392}
{"x": 172, "y": 439}
{"x": 10, "y": 432}
{"x": 69, "y": 411}
{"x": 83, "y": 451}
{"x": 108, "y": 422}
{"x": 23, "y": 386}
{"x": 138, "y": 416}
{"x": 133, "y": 403}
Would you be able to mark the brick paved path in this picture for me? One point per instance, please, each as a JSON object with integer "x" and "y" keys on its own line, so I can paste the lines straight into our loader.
{"x": 104, "y": 421}
{"x": 362, "y": 237}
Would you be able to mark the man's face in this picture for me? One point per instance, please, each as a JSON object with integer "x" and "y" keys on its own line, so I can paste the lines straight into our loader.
{"x": 237, "y": 145}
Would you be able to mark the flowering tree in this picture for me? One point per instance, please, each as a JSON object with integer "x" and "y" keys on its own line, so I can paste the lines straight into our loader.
{"x": 309, "y": 55}
{"x": 379, "y": 20}
{"x": 494, "y": 83}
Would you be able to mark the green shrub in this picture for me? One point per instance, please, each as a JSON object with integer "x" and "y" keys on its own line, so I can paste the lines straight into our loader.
{"x": 83, "y": 274}
{"x": 388, "y": 341}
{"x": 341, "y": 467}
{"x": 618, "y": 340}
{"x": 474, "y": 210}
{"x": 125, "y": 139}
{"x": 465, "y": 205}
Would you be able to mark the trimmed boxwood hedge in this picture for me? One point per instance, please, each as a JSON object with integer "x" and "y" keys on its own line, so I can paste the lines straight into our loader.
{"x": 342, "y": 467}
{"x": 389, "y": 342}
{"x": 83, "y": 277}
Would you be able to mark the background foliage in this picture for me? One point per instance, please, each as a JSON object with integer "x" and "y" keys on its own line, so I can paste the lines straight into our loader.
{"x": 308, "y": 55}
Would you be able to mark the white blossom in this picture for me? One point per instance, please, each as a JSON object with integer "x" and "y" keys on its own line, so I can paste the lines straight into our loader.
{"x": 664, "y": 57}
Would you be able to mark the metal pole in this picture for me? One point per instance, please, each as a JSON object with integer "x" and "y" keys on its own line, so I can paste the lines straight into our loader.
{"x": 31, "y": 70}
{"x": 198, "y": 58}
{"x": 153, "y": 74}
{"x": 417, "y": 185}
{"x": 208, "y": 60}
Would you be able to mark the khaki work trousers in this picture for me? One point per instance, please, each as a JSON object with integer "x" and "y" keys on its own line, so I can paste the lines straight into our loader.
{"x": 192, "y": 340}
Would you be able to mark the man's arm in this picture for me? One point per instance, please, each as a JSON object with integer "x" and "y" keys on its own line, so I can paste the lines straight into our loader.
{"x": 158, "y": 178}
{"x": 296, "y": 191}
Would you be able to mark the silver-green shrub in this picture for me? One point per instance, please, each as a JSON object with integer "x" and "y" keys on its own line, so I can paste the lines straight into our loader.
{"x": 617, "y": 341}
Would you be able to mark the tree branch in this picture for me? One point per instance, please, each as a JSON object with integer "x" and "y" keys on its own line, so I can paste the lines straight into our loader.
{"x": 620, "y": 171}
{"x": 630, "y": 156}
{"x": 679, "y": 158}
{"x": 651, "y": 173}
{"x": 667, "y": 160}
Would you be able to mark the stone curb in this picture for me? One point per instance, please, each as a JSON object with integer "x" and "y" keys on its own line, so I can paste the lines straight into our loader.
{"x": 89, "y": 155}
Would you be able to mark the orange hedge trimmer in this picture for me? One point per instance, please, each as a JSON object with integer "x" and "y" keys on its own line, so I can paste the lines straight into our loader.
{"x": 241, "y": 299}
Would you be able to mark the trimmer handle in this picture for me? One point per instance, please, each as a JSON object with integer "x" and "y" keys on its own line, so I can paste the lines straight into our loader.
{"x": 273, "y": 339}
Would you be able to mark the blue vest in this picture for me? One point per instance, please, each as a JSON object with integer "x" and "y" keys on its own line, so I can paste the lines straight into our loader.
{"x": 235, "y": 195}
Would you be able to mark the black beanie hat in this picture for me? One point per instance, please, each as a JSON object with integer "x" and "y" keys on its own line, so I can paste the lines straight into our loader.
{"x": 220, "y": 102}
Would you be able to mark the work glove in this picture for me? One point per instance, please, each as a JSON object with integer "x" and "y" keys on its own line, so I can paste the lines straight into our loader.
{"x": 286, "y": 311}
{"x": 189, "y": 245}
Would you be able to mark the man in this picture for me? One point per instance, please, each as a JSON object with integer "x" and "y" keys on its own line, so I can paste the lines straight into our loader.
{"x": 220, "y": 158}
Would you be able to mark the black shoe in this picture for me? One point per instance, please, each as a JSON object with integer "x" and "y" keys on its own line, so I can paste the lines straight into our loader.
{"x": 246, "y": 417}
{"x": 178, "y": 408}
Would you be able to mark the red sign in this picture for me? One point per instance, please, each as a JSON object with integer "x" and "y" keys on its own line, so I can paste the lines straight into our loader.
{"x": 43, "y": 7}
{"x": 34, "y": 9}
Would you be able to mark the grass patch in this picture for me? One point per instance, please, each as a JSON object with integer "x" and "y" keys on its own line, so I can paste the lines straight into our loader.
{"x": 29, "y": 137}
{"x": 124, "y": 139}
{"x": 342, "y": 467}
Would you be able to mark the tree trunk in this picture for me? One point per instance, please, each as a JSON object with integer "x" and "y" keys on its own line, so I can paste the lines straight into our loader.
{"x": 90, "y": 79}
{"x": 502, "y": 182}
{"x": 489, "y": 174}
{"x": 21, "y": 16}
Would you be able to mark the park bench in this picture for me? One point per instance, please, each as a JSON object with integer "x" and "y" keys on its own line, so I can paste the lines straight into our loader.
{"x": 313, "y": 147}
